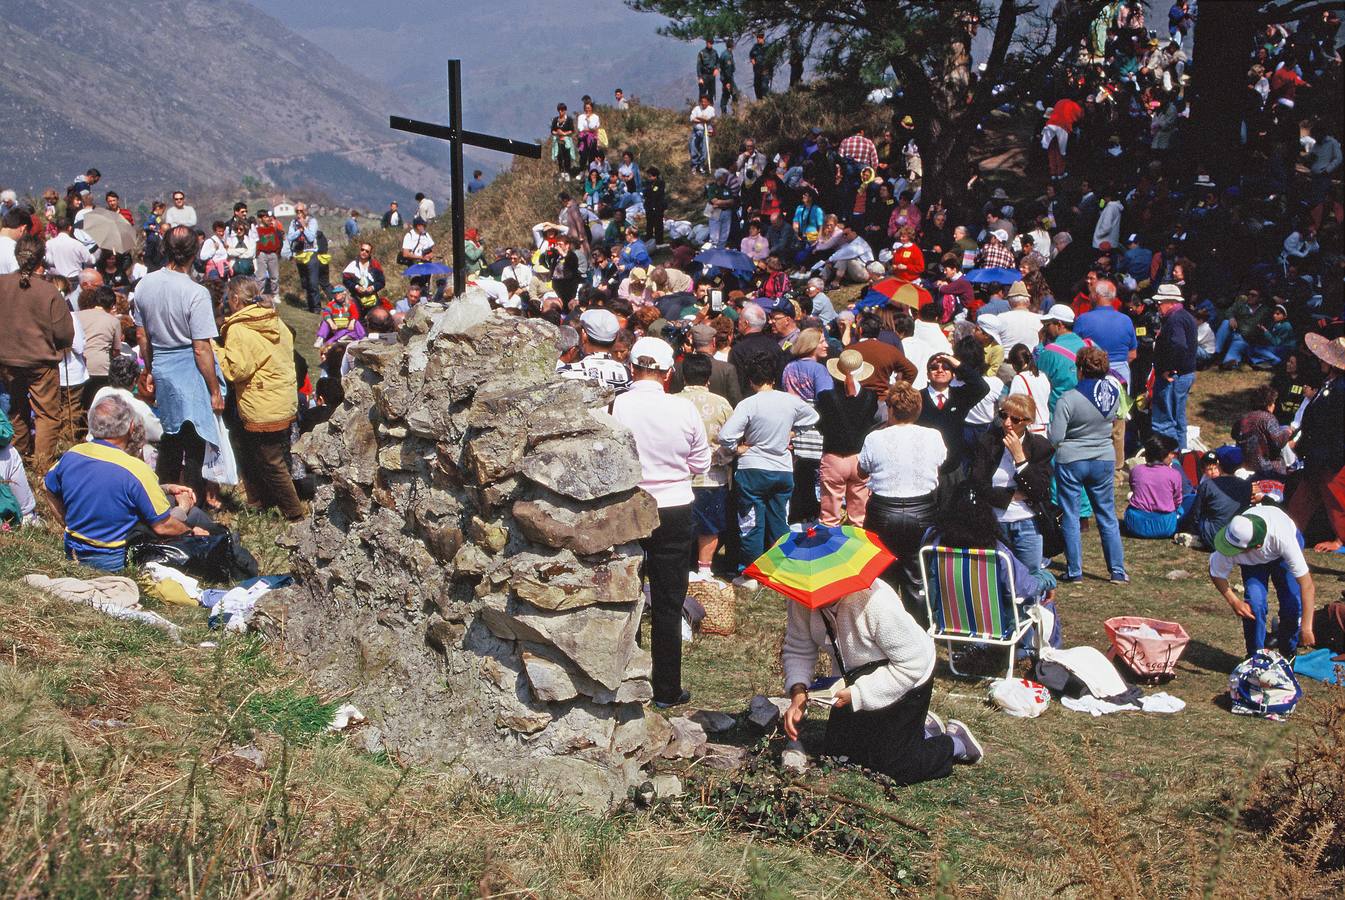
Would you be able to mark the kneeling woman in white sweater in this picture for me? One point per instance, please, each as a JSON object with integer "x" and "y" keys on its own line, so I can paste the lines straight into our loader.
{"x": 881, "y": 718}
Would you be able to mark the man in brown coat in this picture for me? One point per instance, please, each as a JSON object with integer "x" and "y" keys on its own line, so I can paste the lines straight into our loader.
{"x": 39, "y": 328}
{"x": 885, "y": 359}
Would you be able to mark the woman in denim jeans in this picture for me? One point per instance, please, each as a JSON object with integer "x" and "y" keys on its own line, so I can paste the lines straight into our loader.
{"x": 1085, "y": 461}
{"x": 1012, "y": 468}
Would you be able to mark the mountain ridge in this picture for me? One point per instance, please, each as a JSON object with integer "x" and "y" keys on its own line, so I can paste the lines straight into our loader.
{"x": 230, "y": 71}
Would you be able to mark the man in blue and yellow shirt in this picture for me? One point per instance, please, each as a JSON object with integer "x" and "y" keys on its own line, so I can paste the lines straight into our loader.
{"x": 102, "y": 492}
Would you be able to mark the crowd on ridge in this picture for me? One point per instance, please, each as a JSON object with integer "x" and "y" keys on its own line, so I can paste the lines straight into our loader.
{"x": 936, "y": 403}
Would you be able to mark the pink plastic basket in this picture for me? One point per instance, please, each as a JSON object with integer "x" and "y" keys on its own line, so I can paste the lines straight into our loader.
{"x": 1149, "y": 658}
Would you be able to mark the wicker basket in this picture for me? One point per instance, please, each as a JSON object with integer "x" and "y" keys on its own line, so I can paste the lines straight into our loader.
{"x": 718, "y": 600}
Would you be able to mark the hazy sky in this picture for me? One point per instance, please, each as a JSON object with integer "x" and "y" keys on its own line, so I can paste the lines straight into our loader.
{"x": 520, "y": 57}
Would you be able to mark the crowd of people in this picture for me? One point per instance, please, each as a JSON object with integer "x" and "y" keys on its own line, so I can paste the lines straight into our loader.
{"x": 930, "y": 405}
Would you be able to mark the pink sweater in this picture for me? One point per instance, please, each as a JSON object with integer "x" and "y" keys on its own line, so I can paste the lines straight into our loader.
{"x": 1156, "y": 488}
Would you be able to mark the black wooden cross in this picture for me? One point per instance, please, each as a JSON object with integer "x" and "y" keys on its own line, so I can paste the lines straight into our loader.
{"x": 456, "y": 137}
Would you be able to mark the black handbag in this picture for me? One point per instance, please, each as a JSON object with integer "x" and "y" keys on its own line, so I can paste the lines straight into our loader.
{"x": 217, "y": 556}
{"x": 1047, "y": 517}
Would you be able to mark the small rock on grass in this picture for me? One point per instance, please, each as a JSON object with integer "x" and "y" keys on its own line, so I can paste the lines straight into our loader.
{"x": 765, "y": 712}
{"x": 713, "y": 722}
{"x": 724, "y": 757}
{"x": 794, "y": 758}
{"x": 1177, "y": 575}
{"x": 250, "y": 754}
{"x": 666, "y": 785}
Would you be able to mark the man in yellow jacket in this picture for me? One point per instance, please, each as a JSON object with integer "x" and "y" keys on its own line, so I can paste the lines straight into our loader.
{"x": 256, "y": 355}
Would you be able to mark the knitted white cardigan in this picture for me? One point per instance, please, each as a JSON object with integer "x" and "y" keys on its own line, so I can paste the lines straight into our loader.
{"x": 871, "y": 624}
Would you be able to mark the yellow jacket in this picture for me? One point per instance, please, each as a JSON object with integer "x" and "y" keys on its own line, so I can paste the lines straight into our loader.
{"x": 257, "y": 357}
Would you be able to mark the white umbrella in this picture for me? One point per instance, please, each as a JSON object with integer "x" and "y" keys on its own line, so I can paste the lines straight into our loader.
{"x": 109, "y": 230}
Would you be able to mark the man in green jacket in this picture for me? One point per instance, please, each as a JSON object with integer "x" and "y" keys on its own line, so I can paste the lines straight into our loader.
{"x": 1244, "y": 327}
{"x": 1059, "y": 346}
{"x": 707, "y": 69}
{"x": 726, "y": 69}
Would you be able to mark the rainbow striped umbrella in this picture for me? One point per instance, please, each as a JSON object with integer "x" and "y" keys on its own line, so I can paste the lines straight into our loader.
{"x": 819, "y": 564}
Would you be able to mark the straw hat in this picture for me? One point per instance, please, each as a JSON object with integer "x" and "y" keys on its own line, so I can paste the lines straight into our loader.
{"x": 850, "y": 362}
{"x": 1017, "y": 289}
{"x": 1330, "y": 352}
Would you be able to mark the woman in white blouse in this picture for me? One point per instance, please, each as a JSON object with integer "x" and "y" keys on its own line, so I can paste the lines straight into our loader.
{"x": 901, "y": 462}
{"x": 587, "y": 124}
{"x": 1029, "y": 382}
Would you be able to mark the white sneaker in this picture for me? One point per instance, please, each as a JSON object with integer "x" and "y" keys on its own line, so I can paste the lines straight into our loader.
{"x": 934, "y": 726}
{"x": 749, "y": 584}
{"x": 960, "y": 733}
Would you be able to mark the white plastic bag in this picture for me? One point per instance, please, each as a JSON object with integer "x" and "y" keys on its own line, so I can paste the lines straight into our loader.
{"x": 1020, "y": 697}
{"x": 219, "y": 465}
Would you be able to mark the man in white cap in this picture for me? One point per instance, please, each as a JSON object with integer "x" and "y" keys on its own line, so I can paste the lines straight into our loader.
{"x": 1264, "y": 542}
{"x": 597, "y": 333}
{"x": 1059, "y": 346}
{"x": 996, "y": 253}
{"x": 1174, "y": 364}
{"x": 670, "y": 440}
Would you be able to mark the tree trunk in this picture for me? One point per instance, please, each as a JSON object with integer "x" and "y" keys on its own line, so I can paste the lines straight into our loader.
{"x": 1224, "y": 34}
{"x": 798, "y": 53}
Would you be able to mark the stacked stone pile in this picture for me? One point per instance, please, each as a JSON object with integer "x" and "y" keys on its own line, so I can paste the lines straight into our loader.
{"x": 469, "y": 575}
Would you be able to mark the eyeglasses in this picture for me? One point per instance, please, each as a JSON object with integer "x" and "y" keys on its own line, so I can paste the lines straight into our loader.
{"x": 936, "y": 366}
{"x": 1010, "y": 417}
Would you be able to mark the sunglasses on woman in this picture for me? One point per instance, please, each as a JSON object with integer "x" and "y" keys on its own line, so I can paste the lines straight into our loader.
{"x": 1010, "y": 417}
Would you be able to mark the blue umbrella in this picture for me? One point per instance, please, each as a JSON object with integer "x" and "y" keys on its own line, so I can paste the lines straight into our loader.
{"x": 726, "y": 259}
{"x": 994, "y": 276}
{"x": 870, "y": 300}
{"x": 430, "y": 268}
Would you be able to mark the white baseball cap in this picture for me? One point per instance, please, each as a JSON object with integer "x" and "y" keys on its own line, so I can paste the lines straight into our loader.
{"x": 600, "y": 325}
{"x": 651, "y": 353}
{"x": 1060, "y": 312}
{"x": 1001, "y": 234}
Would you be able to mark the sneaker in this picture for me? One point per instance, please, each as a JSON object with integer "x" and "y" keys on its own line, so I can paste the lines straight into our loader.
{"x": 1120, "y": 579}
{"x": 1185, "y": 539}
{"x": 683, "y": 698}
{"x": 961, "y": 734}
{"x": 934, "y": 726}
{"x": 746, "y": 583}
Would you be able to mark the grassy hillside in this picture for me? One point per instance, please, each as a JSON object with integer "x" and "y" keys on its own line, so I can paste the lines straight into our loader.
{"x": 119, "y": 773}
{"x": 130, "y": 765}
{"x": 526, "y": 193}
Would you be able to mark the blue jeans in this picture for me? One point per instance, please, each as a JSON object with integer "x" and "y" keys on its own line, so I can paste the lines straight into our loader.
{"x": 1268, "y": 356}
{"x": 763, "y": 509}
{"x": 1169, "y": 408}
{"x": 1094, "y": 477}
{"x": 1223, "y": 335}
{"x": 696, "y": 148}
{"x": 1256, "y": 581}
{"x": 1238, "y": 349}
{"x": 1023, "y": 538}
{"x": 721, "y": 220}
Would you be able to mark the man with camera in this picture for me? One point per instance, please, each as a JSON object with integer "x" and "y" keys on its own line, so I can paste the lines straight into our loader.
{"x": 301, "y": 245}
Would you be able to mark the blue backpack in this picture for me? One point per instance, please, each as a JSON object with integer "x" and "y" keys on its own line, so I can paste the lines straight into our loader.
{"x": 1264, "y": 685}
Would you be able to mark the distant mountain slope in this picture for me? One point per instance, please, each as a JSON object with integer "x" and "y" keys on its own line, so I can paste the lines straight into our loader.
{"x": 159, "y": 93}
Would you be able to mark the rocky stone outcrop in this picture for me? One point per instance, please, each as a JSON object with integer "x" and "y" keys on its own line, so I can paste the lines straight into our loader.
{"x": 469, "y": 575}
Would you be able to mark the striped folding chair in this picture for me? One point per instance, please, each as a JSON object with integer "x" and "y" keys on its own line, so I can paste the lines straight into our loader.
{"x": 965, "y": 597}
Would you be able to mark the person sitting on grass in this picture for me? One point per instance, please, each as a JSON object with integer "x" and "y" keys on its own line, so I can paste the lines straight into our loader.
{"x": 1219, "y": 497}
{"x": 101, "y": 492}
{"x": 1155, "y": 492}
{"x": 881, "y": 719}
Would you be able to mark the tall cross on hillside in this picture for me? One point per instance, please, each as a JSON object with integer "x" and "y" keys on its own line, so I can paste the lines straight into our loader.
{"x": 456, "y": 137}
